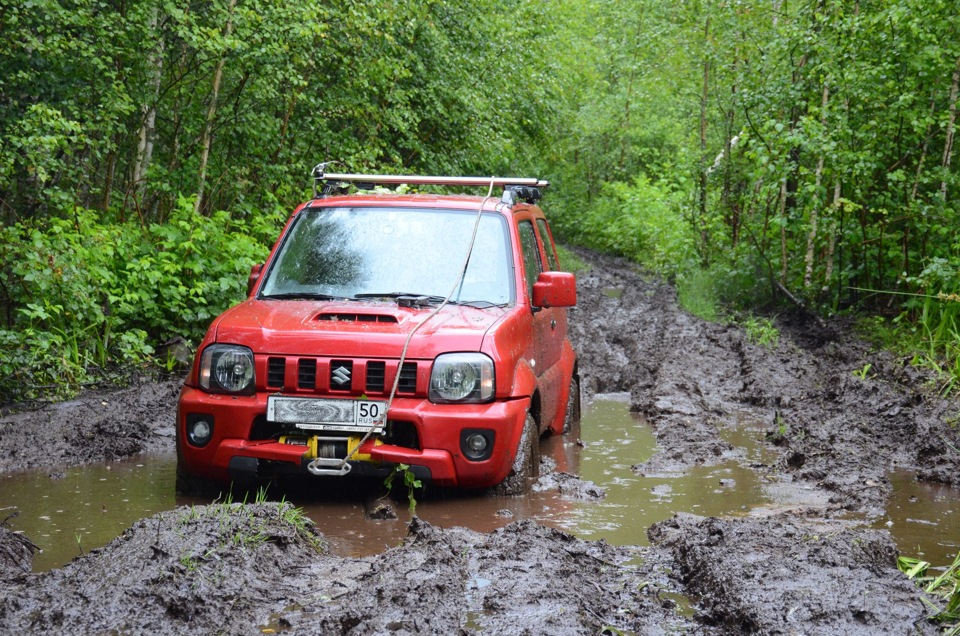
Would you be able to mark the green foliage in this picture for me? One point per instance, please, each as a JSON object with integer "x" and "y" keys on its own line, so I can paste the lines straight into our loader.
{"x": 570, "y": 261}
{"x": 410, "y": 482}
{"x": 121, "y": 108}
{"x": 81, "y": 295}
{"x": 761, "y": 331}
{"x": 697, "y": 293}
{"x": 809, "y": 148}
{"x": 945, "y": 588}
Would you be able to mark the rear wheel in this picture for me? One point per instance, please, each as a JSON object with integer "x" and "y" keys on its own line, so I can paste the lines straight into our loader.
{"x": 526, "y": 463}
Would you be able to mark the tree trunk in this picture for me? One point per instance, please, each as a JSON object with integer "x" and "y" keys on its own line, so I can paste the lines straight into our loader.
{"x": 814, "y": 212}
{"x": 207, "y": 139}
{"x": 831, "y": 248}
{"x": 783, "y": 230}
{"x": 923, "y": 152}
{"x": 148, "y": 111}
{"x": 951, "y": 124}
{"x": 702, "y": 221}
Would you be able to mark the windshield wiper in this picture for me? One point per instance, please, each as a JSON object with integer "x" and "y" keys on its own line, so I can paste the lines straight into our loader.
{"x": 407, "y": 299}
{"x": 304, "y": 296}
{"x": 481, "y": 304}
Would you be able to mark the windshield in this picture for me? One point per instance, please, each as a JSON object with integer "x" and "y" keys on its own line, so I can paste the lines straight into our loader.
{"x": 370, "y": 252}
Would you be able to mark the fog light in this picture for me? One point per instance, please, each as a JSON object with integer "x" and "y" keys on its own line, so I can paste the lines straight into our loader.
{"x": 199, "y": 431}
{"x": 476, "y": 444}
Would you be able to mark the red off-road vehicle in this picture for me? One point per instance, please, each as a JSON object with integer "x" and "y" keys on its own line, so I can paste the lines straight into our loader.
{"x": 385, "y": 329}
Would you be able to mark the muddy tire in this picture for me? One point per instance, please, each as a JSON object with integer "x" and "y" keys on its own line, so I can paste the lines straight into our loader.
{"x": 189, "y": 485}
{"x": 572, "y": 419}
{"x": 526, "y": 463}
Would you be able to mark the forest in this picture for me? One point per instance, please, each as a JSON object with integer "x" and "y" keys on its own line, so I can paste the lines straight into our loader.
{"x": 759, "y": 155}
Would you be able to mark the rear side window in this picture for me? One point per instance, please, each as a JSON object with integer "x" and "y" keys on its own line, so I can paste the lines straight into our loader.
{"x": 531, "y": 254}
{"x": 547, "y": 244}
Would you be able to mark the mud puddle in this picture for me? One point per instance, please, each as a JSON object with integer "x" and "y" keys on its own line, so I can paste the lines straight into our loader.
{"x": 923, "y": 518}
{"x": 71, "y": 512}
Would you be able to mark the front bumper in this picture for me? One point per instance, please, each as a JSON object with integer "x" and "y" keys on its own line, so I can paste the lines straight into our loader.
{"x": 232, "y": 454}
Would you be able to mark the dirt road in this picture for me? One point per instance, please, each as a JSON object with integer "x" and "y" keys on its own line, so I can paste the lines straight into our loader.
{"x": 799, "y": 569}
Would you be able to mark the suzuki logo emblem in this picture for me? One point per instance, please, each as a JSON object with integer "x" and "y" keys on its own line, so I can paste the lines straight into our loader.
{"x": 341, "y": 375}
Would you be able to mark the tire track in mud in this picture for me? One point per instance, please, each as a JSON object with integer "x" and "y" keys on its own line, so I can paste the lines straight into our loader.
{"x": 691, "y": 378}
{"x": 835, "y": 433}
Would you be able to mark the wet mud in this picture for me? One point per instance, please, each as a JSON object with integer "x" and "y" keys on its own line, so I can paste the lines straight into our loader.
{"x": 830, "y": 418}
{"x": 96, "y": 427}
{"x": 785, "y": 576}
{"x": 245, "y": 569}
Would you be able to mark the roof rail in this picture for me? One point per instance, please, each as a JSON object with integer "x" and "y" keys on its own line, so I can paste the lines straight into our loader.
{"x": 332, "y": 182}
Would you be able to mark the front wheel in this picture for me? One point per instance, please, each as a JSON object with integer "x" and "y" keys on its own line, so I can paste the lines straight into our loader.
{"x": 188, "y": 485}
{"x": 526, "y": 463}
{"x": 572, "y": 419}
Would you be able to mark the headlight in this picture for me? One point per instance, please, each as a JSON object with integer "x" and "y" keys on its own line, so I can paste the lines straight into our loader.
{"x": 462, "y": 377}
{"x": 227, "y": 369}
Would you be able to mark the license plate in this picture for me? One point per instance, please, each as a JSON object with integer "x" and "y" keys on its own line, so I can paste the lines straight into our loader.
{"x": 319, "y": 414}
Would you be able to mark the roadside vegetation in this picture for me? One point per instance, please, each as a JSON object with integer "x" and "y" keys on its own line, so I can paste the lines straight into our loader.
{"x": 942, "y": 589}
{"x": 756, "y": 154}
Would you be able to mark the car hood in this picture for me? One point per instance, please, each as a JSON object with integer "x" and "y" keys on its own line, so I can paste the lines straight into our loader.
{"x": 354, "y": 329}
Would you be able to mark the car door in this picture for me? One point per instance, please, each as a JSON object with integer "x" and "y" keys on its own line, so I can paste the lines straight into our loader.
{"x": 549, "y": 324}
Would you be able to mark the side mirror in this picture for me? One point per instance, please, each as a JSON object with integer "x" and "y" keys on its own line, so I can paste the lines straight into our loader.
{"x": 555, "y": 289}
{"x": 254, "y": 277}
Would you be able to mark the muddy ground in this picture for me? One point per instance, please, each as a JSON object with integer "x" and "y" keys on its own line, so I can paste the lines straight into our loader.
{"x": 799, "y": 569}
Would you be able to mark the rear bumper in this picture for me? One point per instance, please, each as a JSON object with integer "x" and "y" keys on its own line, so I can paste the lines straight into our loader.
{"x": 231, "y": 454}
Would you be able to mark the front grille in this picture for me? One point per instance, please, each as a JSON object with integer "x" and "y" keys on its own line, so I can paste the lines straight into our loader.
{"x": 408, "y": 378}
{"x": 336, "y": 376}
{"x": 276, "y": 368}
{"x": 376, "y": 376}
{"x": 307, "y": 373}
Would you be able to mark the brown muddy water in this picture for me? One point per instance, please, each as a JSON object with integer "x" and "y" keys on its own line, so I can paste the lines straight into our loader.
{"x": 70, "y": 512}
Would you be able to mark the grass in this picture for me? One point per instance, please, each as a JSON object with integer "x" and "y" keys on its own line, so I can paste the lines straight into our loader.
{"x": 570, "y": 262}
{"x": 944, "y": 588}
{"x": 697, "y": 294}
{"x": 761, "y": 331}
{"x": 930, "y": 341}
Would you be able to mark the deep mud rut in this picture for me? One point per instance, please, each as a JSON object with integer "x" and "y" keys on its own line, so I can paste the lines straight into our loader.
{"x": 806, "y": 568}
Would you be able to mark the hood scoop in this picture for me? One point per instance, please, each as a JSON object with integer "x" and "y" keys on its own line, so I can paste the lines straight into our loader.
{"x": 342, "y": 316}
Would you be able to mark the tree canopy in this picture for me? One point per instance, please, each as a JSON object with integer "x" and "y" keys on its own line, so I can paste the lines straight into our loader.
{"x": 799, "y": 146}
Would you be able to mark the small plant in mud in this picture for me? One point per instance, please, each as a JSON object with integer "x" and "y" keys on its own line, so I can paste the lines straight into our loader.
{"x": 945, "y": 588}
{"x": 762, "y": 332}
{"x": 780, "y": 429}
{"x": 864, "y": 372}
{"x": 409, "y": 480}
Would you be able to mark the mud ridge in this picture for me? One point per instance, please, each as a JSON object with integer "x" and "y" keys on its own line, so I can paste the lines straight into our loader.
{"x": 244, "y": 569}
{"x": 783, "y": 576}
{"x": 96, "y": 427}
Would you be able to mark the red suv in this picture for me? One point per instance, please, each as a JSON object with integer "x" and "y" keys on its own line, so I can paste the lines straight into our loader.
{"x": 390, "y": 328}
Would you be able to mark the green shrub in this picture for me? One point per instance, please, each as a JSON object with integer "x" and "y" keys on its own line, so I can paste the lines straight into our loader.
{"x": 80, "y": 295}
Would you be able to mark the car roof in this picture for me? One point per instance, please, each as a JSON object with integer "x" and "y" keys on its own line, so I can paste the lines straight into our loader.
{"x": 426, "y": 200}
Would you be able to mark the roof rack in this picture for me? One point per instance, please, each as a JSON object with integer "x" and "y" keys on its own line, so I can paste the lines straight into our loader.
{"x": 327, "y": 183}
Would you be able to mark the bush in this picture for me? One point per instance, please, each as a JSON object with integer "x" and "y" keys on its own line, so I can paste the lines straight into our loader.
{"x": 81, "y": 295}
